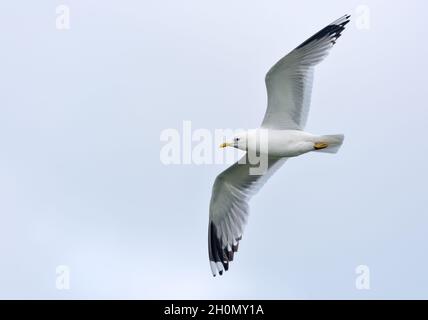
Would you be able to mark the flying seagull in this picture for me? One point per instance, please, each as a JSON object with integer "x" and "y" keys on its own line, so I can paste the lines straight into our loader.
{"x": 289, "y": 84}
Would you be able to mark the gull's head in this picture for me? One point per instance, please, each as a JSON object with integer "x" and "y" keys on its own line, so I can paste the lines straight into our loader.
{"x": 239, "y": 141}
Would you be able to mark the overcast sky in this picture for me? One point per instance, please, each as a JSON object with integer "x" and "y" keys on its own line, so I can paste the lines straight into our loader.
{"x": 82, "y": 184}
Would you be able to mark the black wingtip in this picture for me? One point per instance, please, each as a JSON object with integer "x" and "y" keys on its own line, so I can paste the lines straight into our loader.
{"x": 333, "y": 31}
{"x": 219, "y": 254}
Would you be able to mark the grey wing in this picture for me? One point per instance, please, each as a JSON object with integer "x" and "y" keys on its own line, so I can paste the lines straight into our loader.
{"x": 229, "y": 209}
{"x": 289, "y": 81}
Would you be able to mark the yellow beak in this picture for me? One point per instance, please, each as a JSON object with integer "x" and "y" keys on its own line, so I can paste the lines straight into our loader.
{"x": 226, "y": 144}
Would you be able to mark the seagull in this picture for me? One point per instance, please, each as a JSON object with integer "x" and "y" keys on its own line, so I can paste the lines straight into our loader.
{"x": 289, "y": 85}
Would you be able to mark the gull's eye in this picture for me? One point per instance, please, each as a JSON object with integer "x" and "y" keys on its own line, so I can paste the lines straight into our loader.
{"x": 236, "y": 139}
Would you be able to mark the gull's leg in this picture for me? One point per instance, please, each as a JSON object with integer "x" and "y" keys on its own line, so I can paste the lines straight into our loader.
{"x": 320, "y": 145}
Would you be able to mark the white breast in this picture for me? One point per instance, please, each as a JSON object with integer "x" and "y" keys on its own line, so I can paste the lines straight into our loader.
{"x": 280, "y": 143}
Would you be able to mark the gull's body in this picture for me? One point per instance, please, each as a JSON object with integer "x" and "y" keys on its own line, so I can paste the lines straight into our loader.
{"x": 286, "y": 143}
{"x": 281, "y": 136}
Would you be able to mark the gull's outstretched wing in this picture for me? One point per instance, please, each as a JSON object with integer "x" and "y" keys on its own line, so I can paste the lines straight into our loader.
{"x": 289, "y": 81}
{"x": 231, "y": 192}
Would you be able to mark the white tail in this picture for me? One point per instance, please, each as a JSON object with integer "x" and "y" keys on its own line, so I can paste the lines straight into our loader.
{"x": 334, "y": 142}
